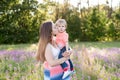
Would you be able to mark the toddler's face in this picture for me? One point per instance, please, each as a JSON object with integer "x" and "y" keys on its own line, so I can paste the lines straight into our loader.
{"x": 61, "y": 28}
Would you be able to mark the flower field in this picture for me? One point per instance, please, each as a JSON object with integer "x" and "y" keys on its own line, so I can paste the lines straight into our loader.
{"x": 91, "y": 62}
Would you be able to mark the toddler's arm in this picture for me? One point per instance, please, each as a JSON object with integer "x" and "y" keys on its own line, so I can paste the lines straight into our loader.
{"x": 67, "y": 46}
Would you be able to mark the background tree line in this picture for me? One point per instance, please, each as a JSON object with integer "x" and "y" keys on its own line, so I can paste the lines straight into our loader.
{"x": 20, "y": 20}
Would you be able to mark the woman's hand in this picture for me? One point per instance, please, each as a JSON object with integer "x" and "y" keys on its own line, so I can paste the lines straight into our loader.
{"x": 67, "y": 54}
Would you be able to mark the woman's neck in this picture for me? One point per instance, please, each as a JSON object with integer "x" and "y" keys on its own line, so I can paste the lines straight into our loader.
{"x": 53, "y": 43}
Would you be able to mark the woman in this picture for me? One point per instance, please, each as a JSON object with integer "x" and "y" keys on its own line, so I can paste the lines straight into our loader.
{"x": 48, "y": 53}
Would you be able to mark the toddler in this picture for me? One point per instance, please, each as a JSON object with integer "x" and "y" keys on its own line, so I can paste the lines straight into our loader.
{"x": 62, "y": 42}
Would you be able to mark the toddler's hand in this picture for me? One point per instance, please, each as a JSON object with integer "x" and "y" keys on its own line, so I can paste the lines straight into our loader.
{"x": 67, "y": 54}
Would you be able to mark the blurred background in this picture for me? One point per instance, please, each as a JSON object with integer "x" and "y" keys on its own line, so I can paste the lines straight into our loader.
{"x": 94, "y": 35}
{"x": 88, "y": 20}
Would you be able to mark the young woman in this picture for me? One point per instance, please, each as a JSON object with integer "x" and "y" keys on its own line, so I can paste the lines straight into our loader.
{"x": 48, "y": 53}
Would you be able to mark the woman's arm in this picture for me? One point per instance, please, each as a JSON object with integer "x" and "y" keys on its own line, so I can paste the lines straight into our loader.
{"x": 50, "y": 59}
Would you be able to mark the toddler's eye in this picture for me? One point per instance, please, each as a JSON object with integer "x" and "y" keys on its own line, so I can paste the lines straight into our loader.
{"x": 62, "y": 26}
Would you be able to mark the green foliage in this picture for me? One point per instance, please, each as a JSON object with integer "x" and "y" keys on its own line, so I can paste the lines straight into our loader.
{"x": 96, "y": 25}
{"x": 20, "y": 21}
{"x": 74, "y": 29}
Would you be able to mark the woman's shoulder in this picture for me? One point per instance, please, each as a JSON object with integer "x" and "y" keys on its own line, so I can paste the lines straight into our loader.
{"x": 48, "y": 46}
{"x": 51, "y": 47}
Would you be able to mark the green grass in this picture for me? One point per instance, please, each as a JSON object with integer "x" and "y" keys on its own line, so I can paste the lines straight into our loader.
{"x": 14, "y": 46}
{"x": 97, "y": 44}
{"x": 72, "y": 44}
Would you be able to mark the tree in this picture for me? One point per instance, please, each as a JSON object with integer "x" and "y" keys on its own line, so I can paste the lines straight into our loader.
{"x": 96, "y": 26}
{"x": 17, "y": 21}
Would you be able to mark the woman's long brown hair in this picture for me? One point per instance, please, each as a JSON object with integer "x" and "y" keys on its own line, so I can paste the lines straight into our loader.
{"x": 44, "y": 39}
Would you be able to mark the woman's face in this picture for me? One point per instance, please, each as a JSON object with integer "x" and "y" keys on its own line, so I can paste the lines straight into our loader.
{"x": 54, "y": 29}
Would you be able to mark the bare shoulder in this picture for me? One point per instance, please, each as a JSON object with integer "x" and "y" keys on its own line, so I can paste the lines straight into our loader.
{"x": 48, "y": 47}
{"x": 48, "y": 50}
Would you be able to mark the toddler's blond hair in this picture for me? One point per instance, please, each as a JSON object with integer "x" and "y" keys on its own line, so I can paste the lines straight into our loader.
{"x": 61, "y": 21}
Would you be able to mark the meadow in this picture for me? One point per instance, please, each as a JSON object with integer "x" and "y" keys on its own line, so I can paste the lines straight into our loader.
{"x": 92, "y": 61}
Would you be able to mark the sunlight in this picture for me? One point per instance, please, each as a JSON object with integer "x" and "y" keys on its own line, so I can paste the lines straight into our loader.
{"x": 115, "y": 3}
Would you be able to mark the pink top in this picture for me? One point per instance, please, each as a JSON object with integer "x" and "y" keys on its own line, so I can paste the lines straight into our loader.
{"x": 55, "y": 70}
{"x": 61, "y": 39}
